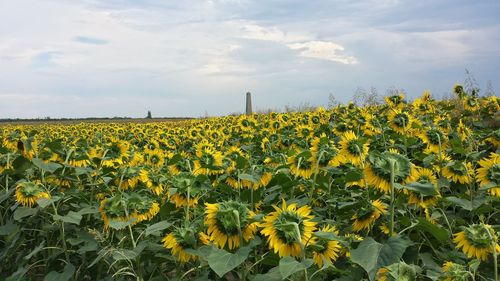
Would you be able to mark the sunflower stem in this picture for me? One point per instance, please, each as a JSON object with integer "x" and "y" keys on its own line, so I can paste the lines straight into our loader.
{"x": 236, "y": 216}
{"x": 495, "y": 254}
{"x": 392, "y": 164}
{"x": 316, "y": 172}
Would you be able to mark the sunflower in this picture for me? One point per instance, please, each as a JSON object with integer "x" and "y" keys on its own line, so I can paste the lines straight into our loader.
{"x": 367, "y": 215}
{"x": 115, "y": 151}
{"x": 476, "y": 241}
{"x": 304, "y": 131}
{"x": 155, "y": 158}
{"x": 132, "y": 208}
{"x": 400, "y": 121}
{"x": 208, "y": 162}
{"x": 226, "y": 221}
{"x": 395, "y": 100}
{"x": 378, "y": 170}
{"x": 494, "y": 139}
{"x": 471, "y": 103}
{"x": 328, "y": 249}
{"x": 325, "y": 153}
{"x": 489, "y": 174}
{"x": 459, "y": 90}
{"x": 288, "y": 229}
{"x": 454, "y": 272}
{"x": 434, "y": 139}
{"x": 181, "y": 201}
{"x": 422, "y": 176}
{"x": 27, "y": 193}
{"x": 462, "y": 131}
{"x": 352, "y": 148}
{"x": 178, "y": 241}
{"x": 459, "y": 172}
{"x": 302, "y": 164}
{"x": 382, "y": 274}
{"x": 423, "y": 104}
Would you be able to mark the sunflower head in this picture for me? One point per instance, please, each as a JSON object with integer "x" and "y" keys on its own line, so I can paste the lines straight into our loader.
{"x": 27, "y": 193}
{"x": 458, "y": 171}
{"x": 229, "y": 222}
{"x": 476, "y": 241}
{"x": 382, "y": 165}
{"x": 353, "y": 149}
{"x": 459, "y": 90}
{"x": 288, "y": 229}
{"x": 325, "y": 250}
{"x": 366, "y": 216}
{"x": 178, "y": 241}
{"x": 454, "y": 272}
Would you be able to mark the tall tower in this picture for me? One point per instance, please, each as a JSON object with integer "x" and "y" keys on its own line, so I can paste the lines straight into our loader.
{"x": 249, "y": 104}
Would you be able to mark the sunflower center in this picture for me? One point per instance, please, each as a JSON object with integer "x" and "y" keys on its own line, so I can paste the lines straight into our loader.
{"x": 285, "y": 228}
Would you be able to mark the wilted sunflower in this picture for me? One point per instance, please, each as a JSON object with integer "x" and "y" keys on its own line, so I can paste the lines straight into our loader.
{"x": 454, "y": 272}
{"x": 328, "y": 250}
{"x": 366, "y": 216}
{"x": 352, "y": 148}
{"x": 489, "y": 174}
{"x": 302, "y": 164}
{"x": 459, "y": 90}
{"x": 226, "y": 221}
{"x": 459, "y": 172}
{"x": 378, "y": 170}
{"x": 178, "y": 241}
{"x": 27, "y": 193}
{"x": 477, "y": 241}
{"x": 287, "y": 228}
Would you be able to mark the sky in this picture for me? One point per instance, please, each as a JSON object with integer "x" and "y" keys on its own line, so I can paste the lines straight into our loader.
{"x": 106, "y": 58}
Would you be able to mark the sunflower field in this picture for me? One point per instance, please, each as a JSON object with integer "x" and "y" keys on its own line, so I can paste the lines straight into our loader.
{"x": 398, "y": 191}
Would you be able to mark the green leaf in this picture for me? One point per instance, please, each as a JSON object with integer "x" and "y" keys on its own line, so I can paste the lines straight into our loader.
{"x": 35, "y": 251}
{"x": 221, "y": 261}
{"x": 371, "y": 255}
{"x": 466, "y": 204}
{"x": 354, "y": 175}
{"x": 118, "y": 225}
{"x": 44, "y": 202}
{"x": 47, "y": 167}
{"x": 71, "y": 217}
{"x": 124, "y": 254}
{"x": 272, "y": 275}
{"x": 248, "y": 178}
{"x": 22, "y": 212}
{"x": 21, "y": 164}
{"x": 67, "y": 273}
{"x": 437, "y": 231}
{"x": 426, "y": 189}
{"x": 8, "y": 228}
{"x": 156, "y": 228}
{"x": 289, "y": 266}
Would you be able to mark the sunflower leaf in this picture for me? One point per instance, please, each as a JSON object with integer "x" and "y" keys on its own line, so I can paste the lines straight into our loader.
{"x": 221, "y": 261}
{"x": 67, "y": 273}
{"x": 289, "y": 266}
{"x": 426, "y": 189}
{"x": 156, "y": 228}
{"x": 22, "y": 212}
{"x": 372, "y": 256}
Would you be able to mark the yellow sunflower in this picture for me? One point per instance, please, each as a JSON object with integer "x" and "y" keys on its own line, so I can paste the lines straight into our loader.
{"x": 178, "y": 241}
{"x": 378, "y": 169}
{"x": 433, "y": 138}
{"x": 382, "y": 274}
{"x": 208, "y": 162}
{"x": 422, "y": 176}
{"x": 459, "y": 90}
{"x": 226, "y": 221}
{"x": 459, "y": 172}
{"x": 462, "y": 131}
{"x": 302, "y": 164}
{"x": 329, "y": 249}
{"x": 367, "y": 215}
{"x": 288, "y": 229}
{"x": 352, "y": 149}
{"x": 476, "y": 241}
{"x": 27, "y": 193}
{"x": 471, "y": 103}
{"x": 489, "y": 174}
{"x": 325, "y": 153}
{"x": 400, "y": 121}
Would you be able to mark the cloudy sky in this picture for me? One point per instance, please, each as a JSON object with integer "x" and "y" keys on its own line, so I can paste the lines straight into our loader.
{"x": 105, "y": 58}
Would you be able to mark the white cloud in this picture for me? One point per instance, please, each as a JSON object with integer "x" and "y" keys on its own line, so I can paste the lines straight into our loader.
{"x": 322, "y": 50}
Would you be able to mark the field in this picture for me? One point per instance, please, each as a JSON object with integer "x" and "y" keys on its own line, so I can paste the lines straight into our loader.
{"x": 398, "y": 191}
